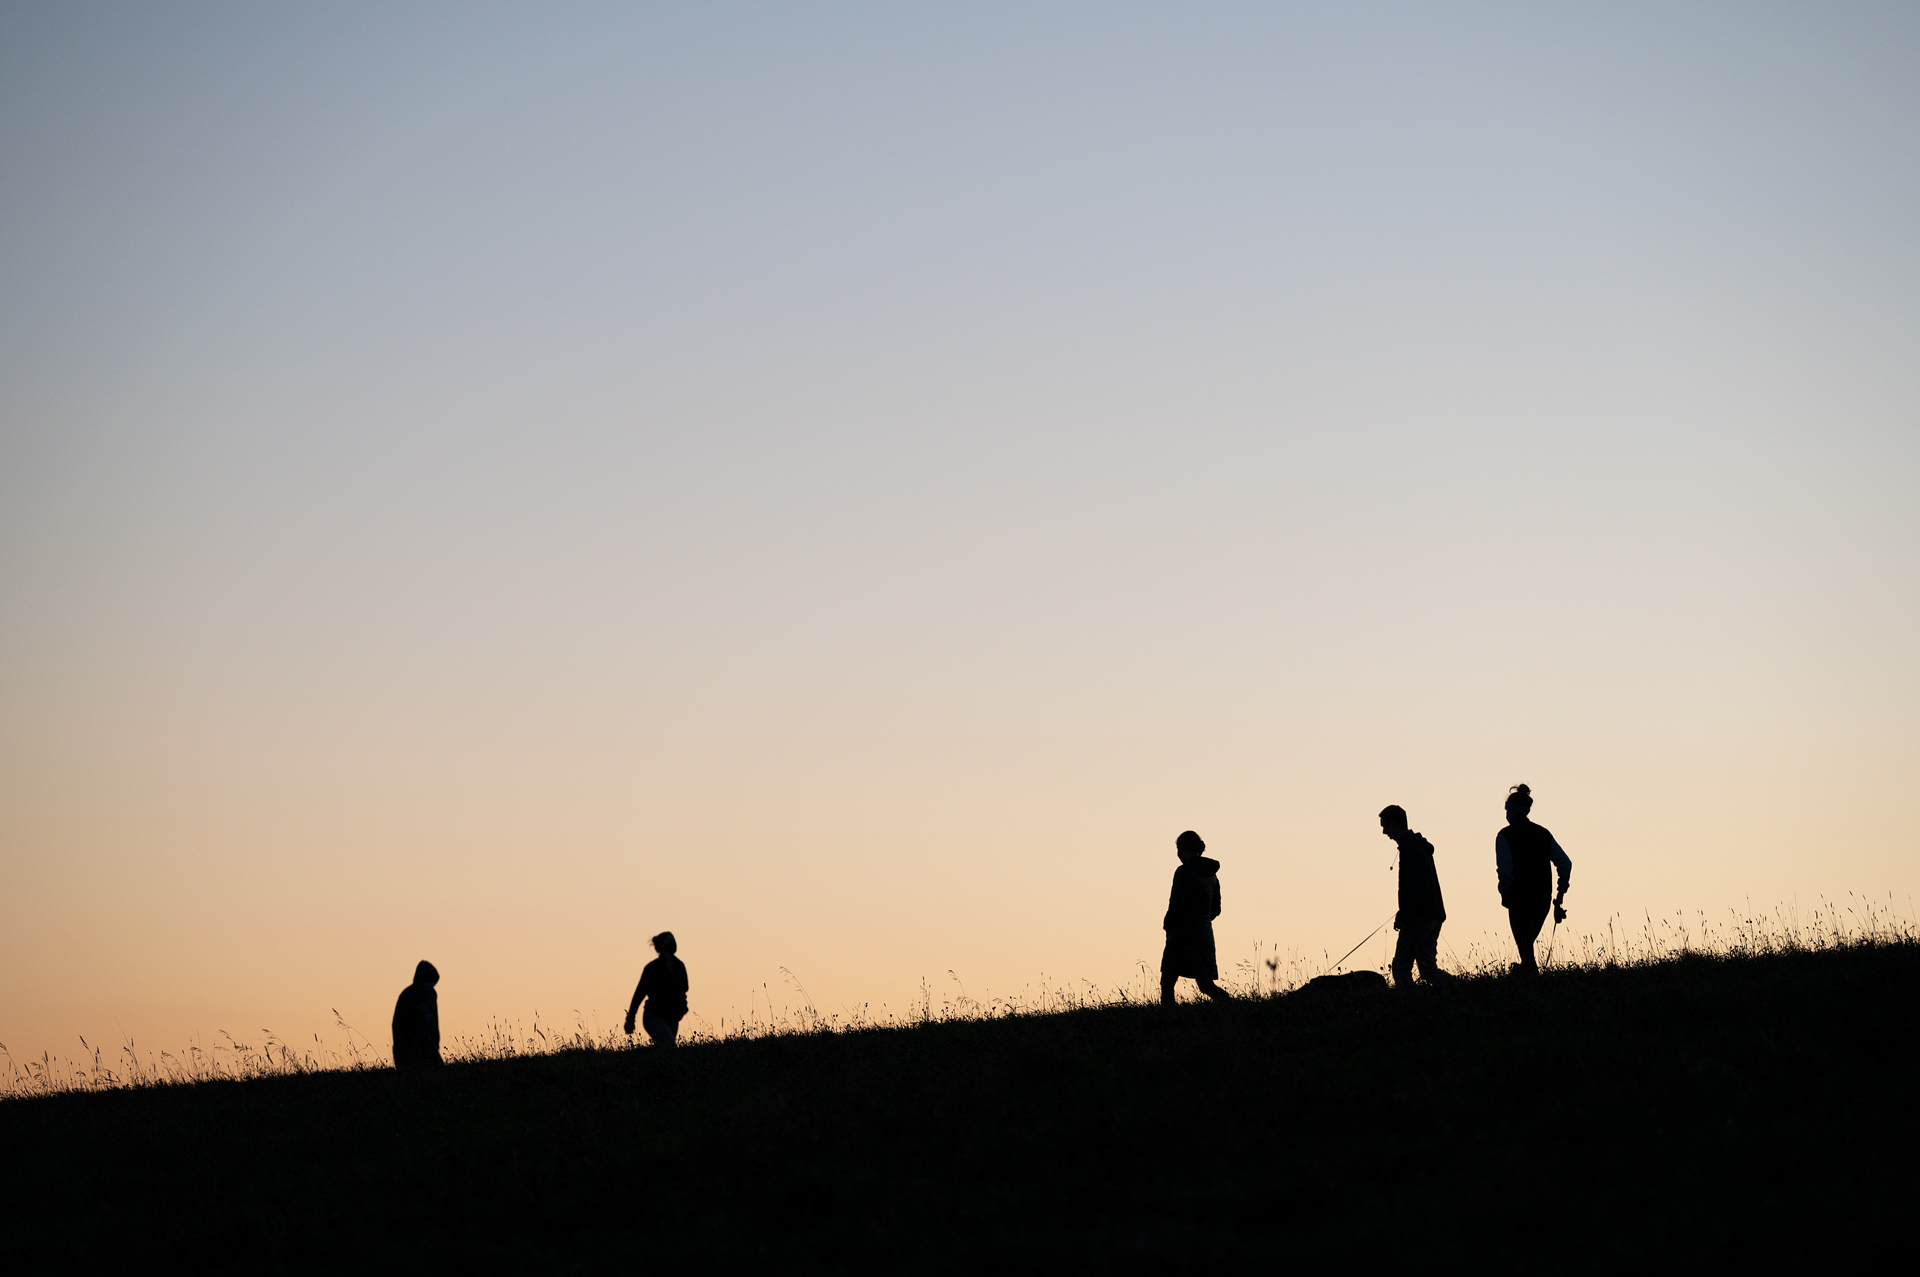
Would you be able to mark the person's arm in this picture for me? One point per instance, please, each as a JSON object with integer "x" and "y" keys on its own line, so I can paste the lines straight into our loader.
{"x": 633, "y": 1007}
{"x": 1502, "y": 862}
{"x": 1564, "y": 864}
{"x": 431, "y": 1013}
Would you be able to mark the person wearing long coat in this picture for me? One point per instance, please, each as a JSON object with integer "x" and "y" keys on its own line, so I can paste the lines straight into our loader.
{"x": 416, "y": 1020}
{"x": 1192, "y": 906}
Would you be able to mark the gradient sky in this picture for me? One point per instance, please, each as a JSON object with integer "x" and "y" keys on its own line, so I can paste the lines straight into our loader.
{"x": 850, "y": 483}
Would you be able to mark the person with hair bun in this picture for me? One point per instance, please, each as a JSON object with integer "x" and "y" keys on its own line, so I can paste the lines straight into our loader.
{"x": 1525, "y": 854}
{"x": 663, "y": 985}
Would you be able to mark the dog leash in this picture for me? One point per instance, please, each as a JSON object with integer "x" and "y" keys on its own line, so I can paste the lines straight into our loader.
{"x": 1363, "y": 939}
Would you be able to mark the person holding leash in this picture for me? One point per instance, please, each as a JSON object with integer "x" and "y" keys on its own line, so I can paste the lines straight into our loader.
{"x": 1421, "y": 909}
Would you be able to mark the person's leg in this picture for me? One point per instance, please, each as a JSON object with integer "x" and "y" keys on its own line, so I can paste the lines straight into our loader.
{"x": 1167, "y": 981}
{"x": 1213, "y": 990}
{"x": 1404, "y": 950}
{"x": 1429, "y": 954}
{"x": 1525, "y": 920}
{"x": 660, "y": 1029}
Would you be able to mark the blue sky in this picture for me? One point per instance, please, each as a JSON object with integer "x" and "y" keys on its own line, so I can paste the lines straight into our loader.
{"x": 849, "y": 485}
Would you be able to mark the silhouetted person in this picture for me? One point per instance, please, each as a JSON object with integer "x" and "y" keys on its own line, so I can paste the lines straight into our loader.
{"x": 663, "y": 986}
{"x": 1421, "y": 909}
{"x": 416, "y": 1020}
{"x": 1526, "y": 856}
{"x": 1191, "y": 908}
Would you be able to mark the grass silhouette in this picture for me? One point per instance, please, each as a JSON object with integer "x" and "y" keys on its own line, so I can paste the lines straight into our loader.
{"x": 1746, "y": 1099}
{"x": 1267, "y": 973}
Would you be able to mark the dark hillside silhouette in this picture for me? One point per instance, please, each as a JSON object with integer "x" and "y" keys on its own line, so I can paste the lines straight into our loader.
{"x": 1753, "y": 1111}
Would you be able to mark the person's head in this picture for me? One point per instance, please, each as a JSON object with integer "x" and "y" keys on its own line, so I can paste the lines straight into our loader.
{"x": 425, "y": 974}
{"x": 1519, "y": 803}
{"x": 663, "y": 944}
{"x": 1188, "y": 845}
{"x": 1393, "y": 819}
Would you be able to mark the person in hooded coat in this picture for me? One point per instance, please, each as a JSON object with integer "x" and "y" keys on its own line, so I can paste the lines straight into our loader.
{"x": 1192, "y": 906}
{"x": 416, "y": 1020}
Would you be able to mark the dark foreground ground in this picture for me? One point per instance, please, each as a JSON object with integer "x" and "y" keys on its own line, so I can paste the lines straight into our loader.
{"x": 1701, "y": 1110}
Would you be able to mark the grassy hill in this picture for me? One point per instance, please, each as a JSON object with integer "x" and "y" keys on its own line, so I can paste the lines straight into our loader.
{"x": 1717, "y": 1110}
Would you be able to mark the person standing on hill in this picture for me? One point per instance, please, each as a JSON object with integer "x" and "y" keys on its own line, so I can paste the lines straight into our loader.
{"x": 1191, "y": 909}
{"x": 416, "y": 1020}
{"x": 663, "y": 986}
{"x": 1526, "y": 856}
{"x": 1421, "y": 909}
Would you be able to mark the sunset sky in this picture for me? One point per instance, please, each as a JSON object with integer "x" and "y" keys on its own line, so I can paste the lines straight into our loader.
{"x": 849, "y": 484}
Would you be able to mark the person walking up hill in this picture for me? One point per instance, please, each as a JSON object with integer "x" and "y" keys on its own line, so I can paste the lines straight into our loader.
{"x": 663, "y": 986}
{"x": 1421, "y": 909}
{"x": 1525, "y": 854}
{"x": 416, "y": 1020}
{"x": 1191, "y": 908}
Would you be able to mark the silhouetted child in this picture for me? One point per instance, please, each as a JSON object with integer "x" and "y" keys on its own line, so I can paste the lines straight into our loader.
{"x": 1525, "y": 854}
{"x": 663, "y": 986}
{"x": 416, "y": 1020}
{"x": 1421, "y": 910}
{"x": 1191, "y": 908}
